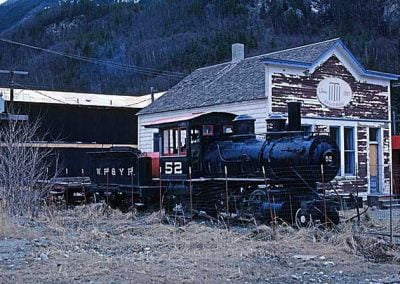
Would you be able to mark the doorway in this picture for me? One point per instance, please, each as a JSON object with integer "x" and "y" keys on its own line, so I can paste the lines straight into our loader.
{"x": 374, "y": 160}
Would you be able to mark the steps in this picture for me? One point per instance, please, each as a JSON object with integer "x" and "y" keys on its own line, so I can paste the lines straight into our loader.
{"x": 382, "y": 201}
{"x": 385, "y": 204}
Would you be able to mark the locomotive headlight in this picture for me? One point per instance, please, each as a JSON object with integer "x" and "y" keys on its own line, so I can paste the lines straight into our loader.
{"x": 328, "y": 158}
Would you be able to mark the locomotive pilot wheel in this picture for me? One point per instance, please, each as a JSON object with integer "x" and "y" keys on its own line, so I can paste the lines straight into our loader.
{"x": 303, "y": 219}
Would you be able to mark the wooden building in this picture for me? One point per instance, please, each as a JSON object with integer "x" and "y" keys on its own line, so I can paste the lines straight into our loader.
{"x": 339, "y": 96}
{"x": 75, "y": 123}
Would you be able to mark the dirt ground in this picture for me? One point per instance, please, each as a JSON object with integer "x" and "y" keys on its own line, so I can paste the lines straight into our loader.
{"x": 97, "y": 245}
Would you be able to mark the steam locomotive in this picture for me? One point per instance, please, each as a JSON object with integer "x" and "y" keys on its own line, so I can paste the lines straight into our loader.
{"x": 214, "y": 163}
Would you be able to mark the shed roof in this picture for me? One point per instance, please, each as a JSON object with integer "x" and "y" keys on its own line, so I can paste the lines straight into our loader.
{"x": 81, "y": 99}
{"x": 240, "y": 81}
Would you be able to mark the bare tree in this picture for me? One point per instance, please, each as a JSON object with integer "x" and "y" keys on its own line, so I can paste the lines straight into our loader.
{"x": 24, "y": 164}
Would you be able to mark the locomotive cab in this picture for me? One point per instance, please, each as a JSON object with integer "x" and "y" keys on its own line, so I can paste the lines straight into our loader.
{"x": 182, "y": 140}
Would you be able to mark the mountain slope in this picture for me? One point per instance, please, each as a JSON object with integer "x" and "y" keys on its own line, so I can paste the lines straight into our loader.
{"x": 14, "y": 12}
{"x": 181, "y": 35}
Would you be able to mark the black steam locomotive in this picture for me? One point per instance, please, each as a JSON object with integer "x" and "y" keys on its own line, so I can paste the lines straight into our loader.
{"x": 213, "y": 163}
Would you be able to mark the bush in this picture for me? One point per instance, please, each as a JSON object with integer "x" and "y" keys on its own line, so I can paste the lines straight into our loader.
{"x": 23, "y": 168}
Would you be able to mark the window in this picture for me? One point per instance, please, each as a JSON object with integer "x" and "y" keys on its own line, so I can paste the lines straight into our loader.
{"x": 344, "y": 138}
{"x": 227, "y": 129}
{"x": 373, "y": 134}
{"x": 334, "y": 132}
{"x": 182, "y": 142}
{"x": 195, "y": 136}
{"x": 174, "y": 141}
{"x": 307, "y": 130}
{"x": 156, "y": 142}
{"x": 208, "y": 130}
{"x": 349, "y": 151}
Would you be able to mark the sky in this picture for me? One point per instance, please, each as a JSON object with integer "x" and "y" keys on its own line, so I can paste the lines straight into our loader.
{"x": 2, "y": 1}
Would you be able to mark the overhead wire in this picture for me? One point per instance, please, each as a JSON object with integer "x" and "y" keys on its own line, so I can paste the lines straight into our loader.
{"x": 132, "y": 68}
{"x": 41, "y": 93}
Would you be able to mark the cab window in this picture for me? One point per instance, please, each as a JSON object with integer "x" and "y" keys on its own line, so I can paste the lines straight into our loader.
{"x": 174, "y": 142}
{"x": 227, "y": 129}
{"x": 208, "y": 130}
{"x": 195, "y": 136}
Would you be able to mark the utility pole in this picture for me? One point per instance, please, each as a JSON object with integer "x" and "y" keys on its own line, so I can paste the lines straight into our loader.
{"x": 394, "y": 112}
{"x": 12, "y": 74}
{"x": 152, "y": 94}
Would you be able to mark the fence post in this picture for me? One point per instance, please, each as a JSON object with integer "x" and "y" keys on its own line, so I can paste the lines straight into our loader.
{"x": 190, "y": 193}
{"x": 83, "y": 187}
{"x": 358, "y": 209}
{"x": 269, "y": 202}
{"x": 390, "y": 211}
{"x": 160, "y": 196}
{"x": 324, "y": 189}
{"x": 66, "y": 191}
{"x": 291, "y": 208}
{"x": 227, "y": 196}
{"x": 107, "y": 190}
{"x": 132, "y": 196}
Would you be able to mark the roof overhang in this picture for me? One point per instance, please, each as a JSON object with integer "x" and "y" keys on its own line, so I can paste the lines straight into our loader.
{"x": 184, "y": 119}
{"x": 164, "y": 121}
{"x": 338, "y": 44}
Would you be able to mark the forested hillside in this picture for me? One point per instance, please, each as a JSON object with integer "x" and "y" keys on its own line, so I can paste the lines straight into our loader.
{"x": 179, "y": 36}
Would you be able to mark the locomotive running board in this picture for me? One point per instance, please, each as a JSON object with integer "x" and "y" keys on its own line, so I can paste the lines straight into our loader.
{"x": 214, "y": 179}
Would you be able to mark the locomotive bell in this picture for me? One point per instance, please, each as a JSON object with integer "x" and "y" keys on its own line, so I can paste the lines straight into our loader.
{"x": 243, "y": 125}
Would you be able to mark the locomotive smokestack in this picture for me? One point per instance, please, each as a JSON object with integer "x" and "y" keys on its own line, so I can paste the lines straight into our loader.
{"x": 294, "y": 116}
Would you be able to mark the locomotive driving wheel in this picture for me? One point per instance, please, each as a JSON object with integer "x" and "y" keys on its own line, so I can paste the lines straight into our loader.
{"x": 257, "y": 195}
{"x": 253, "y": 204}
{"x": 303, "y": 219}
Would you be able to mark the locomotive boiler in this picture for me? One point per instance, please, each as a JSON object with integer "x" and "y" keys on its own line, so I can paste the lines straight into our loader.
{"x": 288, "y": 157}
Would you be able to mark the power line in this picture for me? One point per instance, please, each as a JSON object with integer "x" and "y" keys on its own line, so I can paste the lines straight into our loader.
{"x": 137, "y": 103}
{"x": 43, "y": 94}
{"x": 136, "y": 69}
{"x": 85, "y": 58}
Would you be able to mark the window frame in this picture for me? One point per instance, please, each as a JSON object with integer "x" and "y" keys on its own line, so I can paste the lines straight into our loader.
{"x": 156, "y": 142}
{"x": 338, "y": 142}
{"x": 341, "y": 144}
{"x": 349, "y": 151}
{"x": 210, "y": 127}
{"x": 174, "y": 133}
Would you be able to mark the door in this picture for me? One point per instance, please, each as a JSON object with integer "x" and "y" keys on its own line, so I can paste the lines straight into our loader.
{"x": 373, "y": 168}
{"x": 195, "y": 147}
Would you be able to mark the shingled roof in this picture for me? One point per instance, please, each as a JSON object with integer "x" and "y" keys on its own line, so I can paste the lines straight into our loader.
{"x": 231, "y": 82}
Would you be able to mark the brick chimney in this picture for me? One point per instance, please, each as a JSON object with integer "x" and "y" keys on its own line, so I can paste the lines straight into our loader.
{"x": 237, "y": 52}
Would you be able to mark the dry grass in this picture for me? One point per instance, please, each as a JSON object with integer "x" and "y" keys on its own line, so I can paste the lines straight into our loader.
{"x": 5, "y": 228}
{"x": 96, "y": 243}
{"x": 350, "y": 238}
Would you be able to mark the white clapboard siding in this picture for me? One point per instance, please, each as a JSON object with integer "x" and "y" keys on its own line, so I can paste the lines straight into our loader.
{"x": 257, "y": 109}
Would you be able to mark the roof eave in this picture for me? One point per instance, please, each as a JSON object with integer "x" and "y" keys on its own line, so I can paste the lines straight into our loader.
{"x": 291, "y": 63}
{"x": 363, "y": 71}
